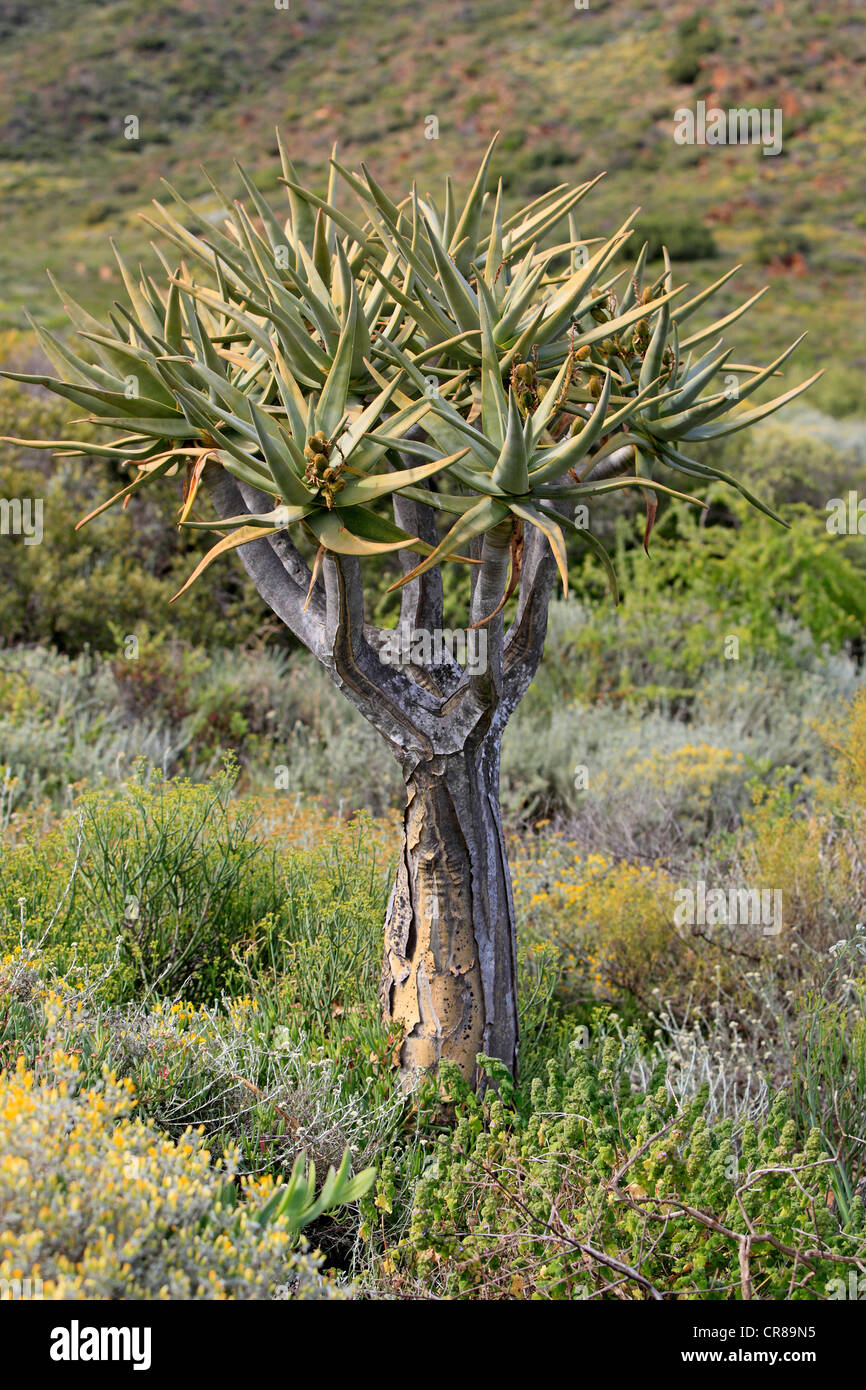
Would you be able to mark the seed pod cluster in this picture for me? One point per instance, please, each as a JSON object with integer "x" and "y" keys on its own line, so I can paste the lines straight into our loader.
{"x": 320, "y": 472}
{"x": 640, "y": 338}
{"x": 525, "y": 384}
{"x": 317, "y": 446}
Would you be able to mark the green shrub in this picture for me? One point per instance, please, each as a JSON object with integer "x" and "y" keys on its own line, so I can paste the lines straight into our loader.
{"x": 685, "y": 66}
{"x": 174, "y": 874}
{"x": 79, "y": 589}
{"x": 808, "y": 460}
{"x": 602, "y": 1190}
{"x": 806, "y": 574}
{"x": 167, "y": 881}
{"x": 697, "y": 36}
{"x": 783, "y": 245}
{"x": 829, "y": 1075}
{"x": 176, "y": 887}
{"x": 686, "y": 238}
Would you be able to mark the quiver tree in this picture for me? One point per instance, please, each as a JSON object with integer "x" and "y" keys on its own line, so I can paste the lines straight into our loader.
{"x": 441, "y": 381}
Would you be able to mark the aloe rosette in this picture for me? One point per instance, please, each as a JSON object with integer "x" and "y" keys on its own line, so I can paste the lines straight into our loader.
{"x": 312, "y": 356}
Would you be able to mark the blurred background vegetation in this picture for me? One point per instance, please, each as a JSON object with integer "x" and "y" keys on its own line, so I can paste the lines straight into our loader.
{"x": 216, "y": 940}
{"x": 573, "y": 91}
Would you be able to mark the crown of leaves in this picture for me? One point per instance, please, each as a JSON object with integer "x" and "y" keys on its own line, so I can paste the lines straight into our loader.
{"x": 308, "y": 355}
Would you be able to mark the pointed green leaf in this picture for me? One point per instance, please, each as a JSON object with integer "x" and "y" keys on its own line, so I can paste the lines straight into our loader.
{"x": 511, "y": 471}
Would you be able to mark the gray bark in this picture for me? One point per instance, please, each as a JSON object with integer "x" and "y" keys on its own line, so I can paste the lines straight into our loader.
{"x": 449, "y": 974}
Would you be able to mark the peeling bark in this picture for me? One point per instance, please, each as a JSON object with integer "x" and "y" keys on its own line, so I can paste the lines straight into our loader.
{"x": 449, "y": 974}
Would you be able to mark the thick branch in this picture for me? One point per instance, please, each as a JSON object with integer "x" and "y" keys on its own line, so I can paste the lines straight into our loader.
{"x": 618, "y": 462}
{"x": 382, "y": 693}
{"x": 421, "y": 606}
{"x": 487, "y": 595}
{"x": 420, "y": 599}
{"x": 524, "y": 642}
{"x": 283, "y": 595}
{"x": 285, "y": 550}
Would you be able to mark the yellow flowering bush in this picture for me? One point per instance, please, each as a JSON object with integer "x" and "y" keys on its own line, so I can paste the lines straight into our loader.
{"x": 253, "y": 1069}
{"x": 95, "y": 1203}
{"x": 305, "y": 823}
{"x": 845, "y": 736}
{"x": 612, "y": 924}
{"x": 702, "y": 783}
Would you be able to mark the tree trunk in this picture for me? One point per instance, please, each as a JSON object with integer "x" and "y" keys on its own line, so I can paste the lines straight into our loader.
{"x": 449, "y": 972}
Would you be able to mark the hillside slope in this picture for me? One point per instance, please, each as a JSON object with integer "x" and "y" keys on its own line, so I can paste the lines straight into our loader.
{"x": 573, "y": 92}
